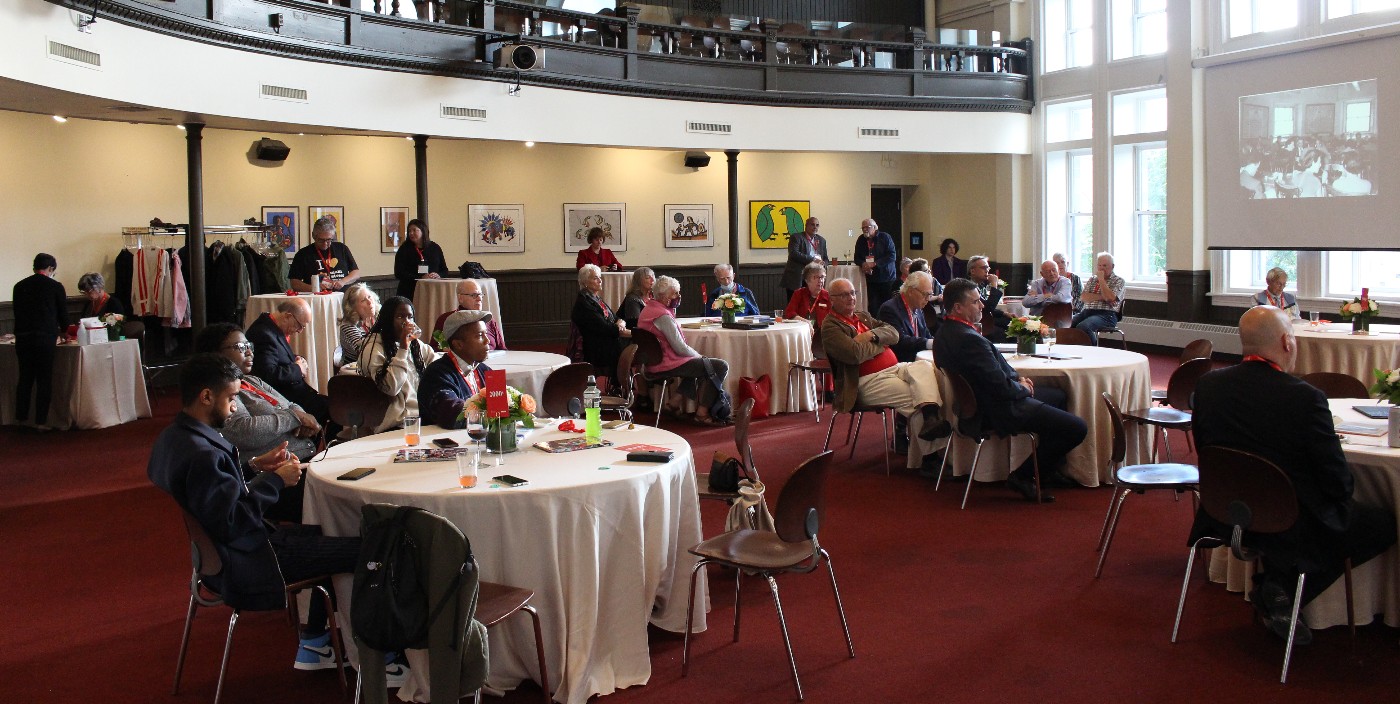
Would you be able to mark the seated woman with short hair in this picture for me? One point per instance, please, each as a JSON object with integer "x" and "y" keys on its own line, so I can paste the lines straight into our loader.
{"x": 811, "y": 302}
{"x": 598, "y": 325}
{"x": 1274, "y": 295}
{"x": 99, "y": 301}
{"x": 703, "y": 377}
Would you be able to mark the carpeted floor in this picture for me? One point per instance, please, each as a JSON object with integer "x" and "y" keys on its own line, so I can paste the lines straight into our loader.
{"x": 993, "y": 604}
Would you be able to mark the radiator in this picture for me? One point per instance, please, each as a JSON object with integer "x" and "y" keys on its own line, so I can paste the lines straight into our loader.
{"x": 1168, "y": 333}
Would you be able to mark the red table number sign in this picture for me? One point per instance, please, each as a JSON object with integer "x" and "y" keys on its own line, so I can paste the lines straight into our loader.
{"x": 497, "y": 401}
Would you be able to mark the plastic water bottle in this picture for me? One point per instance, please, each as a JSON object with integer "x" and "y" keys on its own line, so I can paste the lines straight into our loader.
{"x": 592, "y": 412}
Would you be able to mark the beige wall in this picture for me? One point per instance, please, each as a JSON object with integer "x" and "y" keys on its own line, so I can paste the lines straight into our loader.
{"x": 69, "y": 189}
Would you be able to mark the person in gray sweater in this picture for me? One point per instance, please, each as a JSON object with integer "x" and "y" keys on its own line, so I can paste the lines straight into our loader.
{"x": 263, "y": 418}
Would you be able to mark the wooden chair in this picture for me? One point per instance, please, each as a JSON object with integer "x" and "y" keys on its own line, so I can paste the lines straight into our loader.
{"x": 497, "y": 602}
{"x": 356, "y": 402}
{"x": 1176, "y": 415}
{"x": 562, "y": 384}
{"x": 1057, "y": 315}
{"x": 1337, "y": 385}
{"x": 793, "y": 548}
{"x": 625, "y": 384}
{"x": 649, "y": 351}
{"x": 1252, "y": 496}
{"x": 742, "y": 415}
{"x": 1072, "y": 336}
{"x": 964, "y": 404}
{"x": 1197, "y": 349}
{"x": 1139, "y": 478}
{"x": 207, "y": 563}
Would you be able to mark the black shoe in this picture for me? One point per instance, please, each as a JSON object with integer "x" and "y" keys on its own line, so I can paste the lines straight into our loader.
{"x": 1274, "y": 606}
{"x": 928, "y": 468}
{"x": 1026, "y": 488}
{"x": 1058, "y": 480}
{"x": 934, "y": 427}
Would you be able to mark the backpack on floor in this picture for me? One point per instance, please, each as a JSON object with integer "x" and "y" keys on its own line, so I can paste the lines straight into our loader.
{"x": 391, "y": 601}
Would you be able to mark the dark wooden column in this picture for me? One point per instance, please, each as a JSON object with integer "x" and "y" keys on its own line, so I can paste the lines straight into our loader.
{"x": 733, "y": 158}
{"x": 420, "y": 173}
{"x": 194, "y": 235}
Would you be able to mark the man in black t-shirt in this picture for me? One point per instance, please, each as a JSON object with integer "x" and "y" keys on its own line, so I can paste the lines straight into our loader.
{"x": 324, "y": 257}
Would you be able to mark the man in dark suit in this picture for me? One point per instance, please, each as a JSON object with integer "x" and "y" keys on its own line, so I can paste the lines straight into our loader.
{"x": 41, "y": 317}
{"x": 202, "y": 471}
{"x": 803, "y": 250}
{"x": 905, "y": 313}
{"x": 452, "y": 378}
{"x": 276, "y": 363}
{"x": 1006, "y": 403}
{"x": 979, "y": 271}
{"x": 1258, "y": 407}
{"x": 875, "y": 253}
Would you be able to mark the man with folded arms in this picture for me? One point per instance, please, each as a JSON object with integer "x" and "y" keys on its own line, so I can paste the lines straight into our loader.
{"x": 274, "y": 361}
{"x": 1049, "y": 288}
{"x": 452, "y": 378}
{"x": 905, "y": 313}
{"x": 1006, "y": 402}
{"x": 1258, "y": 407}
{"x": 1102, "y": 297}
{"x": 469, "y": 298}
{"x": 868, "y": 373}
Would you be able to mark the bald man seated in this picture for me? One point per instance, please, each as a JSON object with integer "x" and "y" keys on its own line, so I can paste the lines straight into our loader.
{"x": 1049, "y": 288}
{"x": 469, "y": 298}
{"x": 274, "y": 361}
{"x": 1259, "y": 407}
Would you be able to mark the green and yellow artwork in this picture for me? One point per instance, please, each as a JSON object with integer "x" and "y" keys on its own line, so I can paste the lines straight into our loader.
{"x": 772, "y": 222}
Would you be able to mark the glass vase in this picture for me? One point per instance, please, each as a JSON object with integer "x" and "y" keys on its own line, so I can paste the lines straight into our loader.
{"x": 500, "y": 436}
{"x": 1360, "y": 325}
{"x": 728, "y": 316}
{"x": 1025, "y": 345}
{"x": 114, "y": 334}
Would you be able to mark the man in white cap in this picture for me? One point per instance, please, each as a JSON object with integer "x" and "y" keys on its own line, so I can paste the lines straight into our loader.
{"x": 454, "y": 377}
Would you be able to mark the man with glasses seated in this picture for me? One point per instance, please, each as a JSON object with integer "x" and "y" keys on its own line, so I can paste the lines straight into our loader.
{"x": 1103, "y": 299}
{"x": 979, "y": 271}
{"x": 262, "y": 417}
{"x": 905, "y": 313}
{"x": 868, "y": 373}
{"x": 469, "y": 297}
{"x": 276, "y": 363}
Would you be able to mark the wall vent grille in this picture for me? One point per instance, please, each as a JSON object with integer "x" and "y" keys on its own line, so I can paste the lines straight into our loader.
{"x": 271, "y": 92}
{"x": 457, "y": 112}
{"x": 73, "y": 55}
{"x": 878, "y": 133}
{"x": 708, "y": 127}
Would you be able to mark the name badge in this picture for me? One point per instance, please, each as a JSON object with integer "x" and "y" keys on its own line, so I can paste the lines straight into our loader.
{"x": 422, "y": 268}
{"x": 869, "y": 260}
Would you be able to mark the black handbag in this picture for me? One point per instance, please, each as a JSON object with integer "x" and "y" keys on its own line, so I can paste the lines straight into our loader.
{"x": 725, "y": 473}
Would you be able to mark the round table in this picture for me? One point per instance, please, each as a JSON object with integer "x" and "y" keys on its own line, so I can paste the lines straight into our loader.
{"x": 601, "y": 541}
{"x": 94, "y": 386}
{"x": 318, "y": 341}
{"x": 1375, "y": 470}
{"x": 433, "y": 297}
{"x": 526, "y": 370}
{"x": 753, "y": 353}
{"x": 615, "y": 285}
{"x": 1330, "y": 347}
{"x": 1092, "y": 371}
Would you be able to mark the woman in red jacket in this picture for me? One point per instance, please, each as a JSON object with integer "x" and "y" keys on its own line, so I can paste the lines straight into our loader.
{"x": 596, "y": 255}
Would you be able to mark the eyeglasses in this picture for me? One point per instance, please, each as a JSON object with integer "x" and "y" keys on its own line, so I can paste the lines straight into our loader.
{"x": 848, "y": 294}
{"x": 471, "y": 295}
{"x": 301, "y": 324}
{"x": 240, "y": 346}
{"x": 928, "y": 295}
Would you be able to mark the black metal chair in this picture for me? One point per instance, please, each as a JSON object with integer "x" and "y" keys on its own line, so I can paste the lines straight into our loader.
{"x": 1197, "y": 349}
{"x": 964, "y": 404}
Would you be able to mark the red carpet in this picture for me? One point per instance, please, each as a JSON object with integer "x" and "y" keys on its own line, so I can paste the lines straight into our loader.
{"x": 993, "y": 604}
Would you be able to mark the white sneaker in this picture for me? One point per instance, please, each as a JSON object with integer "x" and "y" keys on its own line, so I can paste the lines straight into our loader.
{"x": 396, "y": 674}
{"x": 315, "y": 653}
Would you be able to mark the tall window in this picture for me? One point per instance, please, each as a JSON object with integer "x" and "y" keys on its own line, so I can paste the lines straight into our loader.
{"x": 1283, "y": 120}
{"x": 1246, "y": 268}
{"x": 1069, "y": 198}
{"x": 1068, "y": 122}
{"x": 1254, "y": 16}
{"x": 1069, "y": 34}
{"x": 1139, "y": 28}
{"x": 1349, "y": 272}
{"x": 1145, "y": 181}
{"x": 1358, "y": 116}
{"x": 1342, "y": 8}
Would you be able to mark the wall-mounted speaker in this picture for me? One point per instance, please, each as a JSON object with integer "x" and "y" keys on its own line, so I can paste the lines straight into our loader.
{"x": 697, "y": 160}
{"x": 271, "y": 150}
{"x": 521, "y": 57}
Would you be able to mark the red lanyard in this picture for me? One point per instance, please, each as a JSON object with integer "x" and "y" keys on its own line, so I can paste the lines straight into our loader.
{"x": 326, "y": 260}
{"x": 913, "y": 329}
{"x": 607, "y": 312}
{"x": 964, "y": 322}
{"x": 859, "y": 326}
{"x": 266, "y": 397}
{"x": 1257, "y": 358}
{"x": 1277, "y": 303}
{"x": 420, "y": 252}
{"x": 97, "y": 307}
{"x": 812, "y": 308}
{"x": 474, "y": 381}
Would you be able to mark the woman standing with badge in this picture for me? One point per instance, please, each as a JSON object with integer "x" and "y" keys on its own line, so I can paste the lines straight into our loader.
{"x": 418, "y": 258}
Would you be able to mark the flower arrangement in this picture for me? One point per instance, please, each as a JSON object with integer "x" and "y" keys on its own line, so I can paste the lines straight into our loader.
{"x": 112, "y": 320}
{"x": 1026, "y": 326}
{"x": 728, "y": 303}
{"x": 521, "y": 408}
{"x": 1362, "y": 308}
{"x": 1387, "y": 385}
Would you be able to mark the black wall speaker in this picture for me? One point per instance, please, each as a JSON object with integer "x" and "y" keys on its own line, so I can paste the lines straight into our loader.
{"x": 697, "y": 160}
{"x": 271, "y": 150}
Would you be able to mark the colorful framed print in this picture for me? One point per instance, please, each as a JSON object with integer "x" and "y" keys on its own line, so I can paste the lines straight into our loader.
{"x": 772, "y": 222}
{"x": 283, "y": 220}
{"x": 579, "y": 218}
{"x": 393, "y": 228}
{"x": 689, "y": 225}
{"x": 334, "y": 212}
{"x": 496, "y": 228}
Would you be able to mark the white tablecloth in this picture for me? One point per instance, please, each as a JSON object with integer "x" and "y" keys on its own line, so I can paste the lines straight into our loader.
{"x": 1375, "y": 467}
{"x": 753, "y": 353}
{"x": 526, "y": 371}
{"x": 94, "y": 386}
{"x": 433, "y": 297}
{"x": 854, "y": 274}
{"x": 1012, "y": 307}
{"x": 1332, "y": 348}
{"x": 1126, "y": 375}
{"x": 600, "y": 540}
{"x": 615, "y": 284}
{"x": 318, "y": 341}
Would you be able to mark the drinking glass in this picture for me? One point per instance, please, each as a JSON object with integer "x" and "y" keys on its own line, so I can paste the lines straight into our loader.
{"x": 1050, "y": 339}
{"x": 476, "y": 428}
{"x": 468, "y": 463}
{"x": 412, "y": 430}
{"x": 1314, "y": 317}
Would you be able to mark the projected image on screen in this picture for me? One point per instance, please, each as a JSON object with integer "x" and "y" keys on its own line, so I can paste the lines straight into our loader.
{"x": 1315, "y": 142}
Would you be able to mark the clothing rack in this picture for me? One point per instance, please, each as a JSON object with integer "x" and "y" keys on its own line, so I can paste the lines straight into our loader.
{"x": 260, "y": 237}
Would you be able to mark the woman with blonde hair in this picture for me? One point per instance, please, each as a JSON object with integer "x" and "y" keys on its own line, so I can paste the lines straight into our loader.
{"x": 359, "y": 309}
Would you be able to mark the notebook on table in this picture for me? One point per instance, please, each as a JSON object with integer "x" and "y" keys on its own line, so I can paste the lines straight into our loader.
{"x": 1375, "y": 412}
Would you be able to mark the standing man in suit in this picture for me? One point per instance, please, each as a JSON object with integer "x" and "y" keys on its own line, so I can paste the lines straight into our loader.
{"x": 325, "y": 257}
{"x": 803, "y": 250}
{"x": 274, "y": 361}
{"x": 1006, "y": 402}
{"x": 41, "y": 318}
{"x": 193, "y": 463}
{"x": 1258, "y": 407}
{"x": 905, "y": 313}
{"x": 877, "y": 259}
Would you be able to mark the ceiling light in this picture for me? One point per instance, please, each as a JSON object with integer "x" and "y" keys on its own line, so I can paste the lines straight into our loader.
{"x": 59, "y": 118}
{"x": 180, "y": 127}
{"x": 529, "y": 144}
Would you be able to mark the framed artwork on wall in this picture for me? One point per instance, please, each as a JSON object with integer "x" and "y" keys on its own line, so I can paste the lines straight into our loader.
{"x": 283, "y": 219}
{"x": 1320, "y": 118}
{"x": 496, "y": 228}
{"x": 393, "y": 228}
{"x": 1254, "y": 121}
{"x": 579, "y": 218}
{"x": 772, "y": 222}
{"x": 689, "y": 225}
{"x": 334, "y": 212}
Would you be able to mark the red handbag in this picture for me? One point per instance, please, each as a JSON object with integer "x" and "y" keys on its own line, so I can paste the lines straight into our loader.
{"x": 760, "y": 390}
